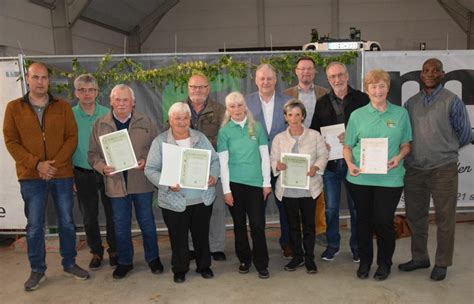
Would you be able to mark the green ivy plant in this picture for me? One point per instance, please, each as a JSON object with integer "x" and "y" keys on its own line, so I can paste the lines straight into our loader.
{"x": 127, "y": 70}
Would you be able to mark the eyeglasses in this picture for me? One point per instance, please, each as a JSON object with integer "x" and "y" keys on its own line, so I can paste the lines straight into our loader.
{"x": 84, "y": 90}
{"x": 305, "y": 69}
{"x": 202, "y": 87}
{"x": 340, "y": 75}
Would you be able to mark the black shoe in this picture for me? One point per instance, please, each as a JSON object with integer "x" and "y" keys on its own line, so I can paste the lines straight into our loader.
{"x": 438, "y": 273}
{"x": 113, "y": 259}
{"x": 244, "y": 267}
{"x": 293, "y": 264}
{"x": 121, "y": 271}
{"x": 192, "y": 255}
{"x": 155, "y": 266}
{"x": 263, "y": 274}
{"x": 95, "y": 262}
{"x": 363, "y": 271}
{"x": 218, "y": 256}
{"x": 414, "y": 265}
{"x": 205, "y": 273}
{"x": 311, "y": 267}
{"x": 382, "y": 272}
{"x": 179, "y": 277}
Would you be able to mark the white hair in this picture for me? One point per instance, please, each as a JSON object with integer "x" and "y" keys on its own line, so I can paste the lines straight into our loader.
{"x": 122, "y": 87}
{"x": 179, "y": 108}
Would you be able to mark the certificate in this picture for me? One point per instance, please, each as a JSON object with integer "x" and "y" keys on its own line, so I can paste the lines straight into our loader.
{"x": 118, "y": 151}
{"x": 374, "y": 155}
{"x": 195, "y": 165}
{"x": 296, "y": 174}
{"x": 186, "y": 167}
{"x": 330, "y": 134}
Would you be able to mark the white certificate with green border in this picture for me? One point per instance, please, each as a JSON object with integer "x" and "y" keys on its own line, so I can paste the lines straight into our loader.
{"x": 296, "y": 174}
{"x": 194, "y": 173}
{"x": 186, "y": 167}
{"x": 118, "y": 151}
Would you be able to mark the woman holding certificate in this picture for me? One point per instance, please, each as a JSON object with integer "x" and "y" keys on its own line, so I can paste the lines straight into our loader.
{"x": 377, "y": 139}
{"x": 184, "y": 206}
{"x": 297, "y": 155}
{"x": 245, "y": 176}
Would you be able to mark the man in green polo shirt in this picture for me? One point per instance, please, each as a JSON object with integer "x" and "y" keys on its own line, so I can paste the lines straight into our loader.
{"x": 89, "y": 182}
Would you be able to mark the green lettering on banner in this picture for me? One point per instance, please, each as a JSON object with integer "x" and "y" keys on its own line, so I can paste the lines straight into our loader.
{"x": 223, "y": 83}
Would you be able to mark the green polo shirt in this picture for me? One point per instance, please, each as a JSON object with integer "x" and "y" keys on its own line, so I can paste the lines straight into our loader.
{"x": 367, "y": 122}
{"x": 84, "y": 129}
{"x": 245, "y": 163}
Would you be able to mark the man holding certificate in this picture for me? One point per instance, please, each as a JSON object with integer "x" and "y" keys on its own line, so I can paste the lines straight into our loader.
{"x": 330, "y": 118}
{"x": 185, "y": 199}
{"x": 297, "y": 155}
{"x": 377, "y": 139}
{"x": 118, "y": 139}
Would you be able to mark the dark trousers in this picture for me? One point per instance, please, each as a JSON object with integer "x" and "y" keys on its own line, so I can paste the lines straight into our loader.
{"x": 375, "y": 207}
{"x": 248, "y": 201}
{"x": 195, "y": 218}
{"x": 441, "y": 184}
{"x": 89, "y": 184}
{"x": 301, "y": 211}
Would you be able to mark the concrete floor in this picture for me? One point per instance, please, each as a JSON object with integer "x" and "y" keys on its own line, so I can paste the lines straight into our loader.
{"x": 335, "y": 283}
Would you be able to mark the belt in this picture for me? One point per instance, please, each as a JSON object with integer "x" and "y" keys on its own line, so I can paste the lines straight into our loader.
{"x": 83, "y": 170}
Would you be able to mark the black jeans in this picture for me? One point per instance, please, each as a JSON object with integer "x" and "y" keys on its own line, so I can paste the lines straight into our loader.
{"x": 248, "y": 201}
{"x": 195, "y": 218}
{"x": 89, "y": 183}
{"x": 301, "y": 210}
{"x": 375, "y": 207}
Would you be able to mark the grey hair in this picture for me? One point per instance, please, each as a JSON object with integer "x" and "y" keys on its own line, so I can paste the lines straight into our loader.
{"x": 122, "y": 87}
{"x": 85, "y": 78}
{"x": 266, "y": 66}
{"x": 336, "y": 63}
{"x": 179, "y": 108}
{"x": 238, "y": 97}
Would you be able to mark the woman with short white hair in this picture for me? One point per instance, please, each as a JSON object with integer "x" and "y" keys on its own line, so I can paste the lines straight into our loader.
{"x": 184, "y": 209}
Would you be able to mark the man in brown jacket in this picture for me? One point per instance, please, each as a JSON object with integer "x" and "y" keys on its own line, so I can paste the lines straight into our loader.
{"x": 206, "y": 117}
{"x": 131, "y": 187}
{"x": 41, "y": 135}
{"x": 309, "y": 93}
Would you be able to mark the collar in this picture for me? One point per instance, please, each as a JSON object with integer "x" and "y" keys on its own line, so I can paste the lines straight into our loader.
{"x": 300, "y": 90}
{"x": 193, "y": 135}
{"x": 333, "y": 96}
{"x": 26, "y": 98}
{"x": 189, "y": 102}
{"x": 122, "y": 121}
{"x": 240, "y": 123}
{"x": 427, "y": 99}
{"x": 271, "y": 99}
{"x": 84, "y": 114}
{"x": 374, "y": 110}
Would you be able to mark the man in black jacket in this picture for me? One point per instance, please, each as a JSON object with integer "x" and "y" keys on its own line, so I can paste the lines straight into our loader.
{"x": 335, "y": 108}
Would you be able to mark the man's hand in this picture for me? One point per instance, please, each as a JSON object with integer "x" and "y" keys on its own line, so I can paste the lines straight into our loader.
{"x": 107, "y": 170}
{"x": 46, "y": 169}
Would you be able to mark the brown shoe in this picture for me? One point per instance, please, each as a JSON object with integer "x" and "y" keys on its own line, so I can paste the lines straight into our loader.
{"x": 96, "y": 262}
{"x": 113, "y": 259}
{"x": 287, "y": 252}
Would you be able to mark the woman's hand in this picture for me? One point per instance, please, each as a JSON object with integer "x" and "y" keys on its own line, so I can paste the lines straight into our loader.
{"x": 176, "y": 188}
{"x": 312, "y": 171}
{"x": 266, "y": 192}
{"x": 353, "y": 169}
{"x": 211, "y": 182}
{"x": 280, "y": 166}
{"x": 141, "y": 164}
{"x": 393, "y": 163}
{"x": 107, "y": 170}
{"x": 229, "y": 199}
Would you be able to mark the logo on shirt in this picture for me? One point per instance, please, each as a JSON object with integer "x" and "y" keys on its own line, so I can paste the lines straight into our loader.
{"x": 391, "y": 123}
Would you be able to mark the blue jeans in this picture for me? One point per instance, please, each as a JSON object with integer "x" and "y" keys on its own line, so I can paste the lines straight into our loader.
{"x": 122, "y": 214}
{"x": 35, "y": 195}
{"x": 332, "y": 191}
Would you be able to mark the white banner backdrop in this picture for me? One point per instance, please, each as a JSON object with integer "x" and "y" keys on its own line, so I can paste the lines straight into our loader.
{"x": 11, "y": 203}
{"x": 404, "y": 70}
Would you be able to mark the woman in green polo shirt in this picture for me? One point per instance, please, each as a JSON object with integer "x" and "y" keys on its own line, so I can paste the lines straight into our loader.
{"x": 245, "y": 174}
{"x": 376, "y": 196}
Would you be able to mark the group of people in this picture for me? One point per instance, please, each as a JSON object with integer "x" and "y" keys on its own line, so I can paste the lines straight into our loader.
{"x": 57, "y": 150}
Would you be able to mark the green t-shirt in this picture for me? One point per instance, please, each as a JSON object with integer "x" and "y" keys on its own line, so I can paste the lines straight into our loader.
{"x": 368, "y": 122}
{"x": 84, "y": 129}
{"x": 245, "y": 163}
